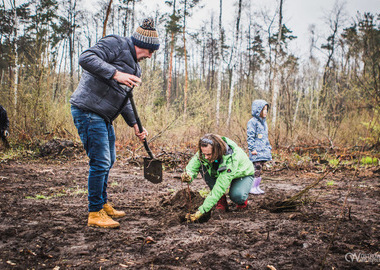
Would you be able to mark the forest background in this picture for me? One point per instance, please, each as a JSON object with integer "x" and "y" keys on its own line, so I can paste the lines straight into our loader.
{"x": 204, "y": 78}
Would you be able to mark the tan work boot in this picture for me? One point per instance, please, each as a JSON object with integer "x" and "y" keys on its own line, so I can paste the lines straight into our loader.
{"x": 101, "y": 219}
{"x": 112, "y": 212}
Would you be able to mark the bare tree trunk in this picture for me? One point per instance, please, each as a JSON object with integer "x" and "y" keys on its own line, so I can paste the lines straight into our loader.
{"x": 312, "y": 85}
{"x": 234, "y": 65}
{"x": 202, "y": 74}
{"x": 232, "y": 93}
{"x": 106, "y": 19}
{"x": 276, "y": 79}
{"x": 79, "y": 50}
{"x": 168, "y": 92}
{"x": 185, "y": 55}
{"x": 326, "y": 73}
{"x": 176, "y": 69}
{"x": 271, "y": 65}
{"x": 329, "y": 101}
{"x": 248, "y": 72}
{"x": 220, "y": 71}
{"x": 71, "y": 52}
{"x": 96, "y": 31}
{"x": 17, "y": 67}
{"x": 326, "y": 70}
{"x": 310, "y": 109}
{"x": 165, "y": 64}
{"x": 210, "y": 70}
{"x": 125, "y": 21}
{"x": 154, "y": 59}
{"x": 133, "y": 17}
{"x": 71, "y": 37}
{"x": 57, "y": 86}
{"x": 296, "y": 110}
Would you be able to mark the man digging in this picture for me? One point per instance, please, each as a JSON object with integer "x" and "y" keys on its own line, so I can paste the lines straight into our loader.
{"x": 99, "y": 100}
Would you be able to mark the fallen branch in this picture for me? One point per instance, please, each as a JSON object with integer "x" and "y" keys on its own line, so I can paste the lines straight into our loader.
{"x": 295, "y": 200}
{"x": 305, "y": 190}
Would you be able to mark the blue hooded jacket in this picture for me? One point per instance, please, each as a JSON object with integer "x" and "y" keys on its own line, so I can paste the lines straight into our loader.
{"x": 257, "y": 133}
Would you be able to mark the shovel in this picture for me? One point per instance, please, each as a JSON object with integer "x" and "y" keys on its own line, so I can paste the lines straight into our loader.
{"x": 152, "y": 166}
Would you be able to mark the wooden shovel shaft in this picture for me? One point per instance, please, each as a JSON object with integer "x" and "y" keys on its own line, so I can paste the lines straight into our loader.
{"x": 139, "y": 125}
{"x": 152, "y": 166}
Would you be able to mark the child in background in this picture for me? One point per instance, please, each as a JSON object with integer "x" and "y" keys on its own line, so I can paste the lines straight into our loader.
{"x": 258, "y": 142}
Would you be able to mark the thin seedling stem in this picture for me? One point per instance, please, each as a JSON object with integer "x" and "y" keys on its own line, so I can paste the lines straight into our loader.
{"x": 188, "y": 191}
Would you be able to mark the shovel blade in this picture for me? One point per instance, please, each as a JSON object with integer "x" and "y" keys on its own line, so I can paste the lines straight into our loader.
{"x": 153, "y": 170}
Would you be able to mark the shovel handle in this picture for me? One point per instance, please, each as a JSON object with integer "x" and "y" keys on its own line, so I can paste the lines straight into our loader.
{"x": 139, "y": 124}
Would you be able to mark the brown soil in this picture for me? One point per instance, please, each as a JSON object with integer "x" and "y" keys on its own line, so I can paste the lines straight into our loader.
{"x": 43, "y": 222}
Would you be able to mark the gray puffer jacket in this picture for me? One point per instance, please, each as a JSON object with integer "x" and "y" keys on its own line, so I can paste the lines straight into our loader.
{"x": 257, "y": 133}
{"x": 97, "y": 92}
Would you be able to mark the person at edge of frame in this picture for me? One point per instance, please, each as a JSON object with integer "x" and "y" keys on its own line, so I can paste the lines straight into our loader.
{"x": 4, "y": 127}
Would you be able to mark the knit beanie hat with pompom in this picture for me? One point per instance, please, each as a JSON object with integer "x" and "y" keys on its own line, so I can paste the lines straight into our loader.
{"x": 146, "y": 36}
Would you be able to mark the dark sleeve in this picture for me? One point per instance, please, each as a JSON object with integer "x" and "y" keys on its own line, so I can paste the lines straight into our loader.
{"x": 4, "y": 121}
{"x": 128, "y": 114}
{"x": 97, "y": 59}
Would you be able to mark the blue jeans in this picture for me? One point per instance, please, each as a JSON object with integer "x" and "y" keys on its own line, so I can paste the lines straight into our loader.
{"x": 98, "y": 138}
{"x": 239, "y": 188}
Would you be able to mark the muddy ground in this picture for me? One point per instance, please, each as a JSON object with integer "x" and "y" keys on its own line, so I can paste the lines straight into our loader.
{"x": 43, "y": 222}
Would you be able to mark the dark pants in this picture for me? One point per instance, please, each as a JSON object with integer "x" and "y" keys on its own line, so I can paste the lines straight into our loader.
{"x": 258, "y": 168}
{"x": 4, "y": 139}
{"x": 239, "y": 189}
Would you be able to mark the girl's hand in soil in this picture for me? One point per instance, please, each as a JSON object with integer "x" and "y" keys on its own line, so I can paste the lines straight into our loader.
{"x": 193, "y": 217}
{"x": 185, "y": 177}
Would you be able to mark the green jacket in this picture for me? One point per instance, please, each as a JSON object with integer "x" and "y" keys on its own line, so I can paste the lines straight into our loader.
{"x": 235, "y": 164}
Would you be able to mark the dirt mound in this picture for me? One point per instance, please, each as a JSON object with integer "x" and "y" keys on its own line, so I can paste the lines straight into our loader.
{"x": 58, "y": 147}
{"x": 181, "y": 203}
{"x": 184, "y": 199}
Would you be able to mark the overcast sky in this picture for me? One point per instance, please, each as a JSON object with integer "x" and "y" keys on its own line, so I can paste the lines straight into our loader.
{"x": 298, "y": 15}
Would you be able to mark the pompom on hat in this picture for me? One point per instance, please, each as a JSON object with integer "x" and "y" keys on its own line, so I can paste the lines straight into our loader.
{"x": 146, "y": 36}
